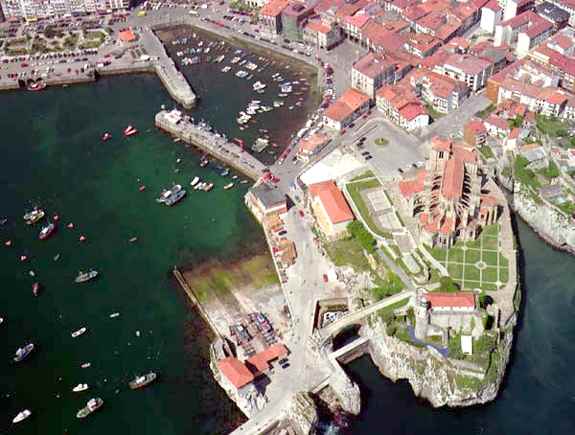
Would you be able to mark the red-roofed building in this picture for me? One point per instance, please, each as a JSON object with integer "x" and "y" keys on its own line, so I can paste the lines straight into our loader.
{"x": 127, "y": 36}
{"x": 260, "y": 362}
{"x": 421, "y": 44}
{"x": 471, "y": 70}
{"x": 445, "y": 197}
{"x": 400, "y": 105}
{"x": 330, "y": 209}
{"x": 451, "y": 302}
{"x": 496, "y": 126}
{"x": 321, "y": 35}
{"x": 271, "y": 15}
{"x": 525, "y": 30}
{"x": 374, "y": 70}
{"x": 235, "y": 373}
{"x": 346, "y": 109}
{"x": 311, "y": 145}
{"x": 443, "y": 93}
{"x": 474, "y": 132}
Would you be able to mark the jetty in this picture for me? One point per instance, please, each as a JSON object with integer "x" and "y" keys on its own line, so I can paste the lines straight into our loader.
{"x": 216, "y": 144}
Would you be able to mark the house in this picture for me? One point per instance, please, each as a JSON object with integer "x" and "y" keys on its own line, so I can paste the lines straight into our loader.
{"x": 293, "y": 17}
{"x": 491, "y": 15}
{"x": 270, "y": 15}
{"x": 496, "y": 126}
{"x": 524, "y": 30}
{"x": 311, "y": 145}
{"x": 260, "y": 363}
{"x": 374, "y": 70}
{"x": 346, "y": 109}
{"x": 443, "y": 93}
{"x": 421, "y": 44}
{"x": 451, "y": 302}
{"x": 321, "y": 35}
{"x": 330, "y": 209}
{"x": 264, "y": 201}
{"x": 235, "y": 373}
{"x": 559, "y": 17}
{"x": 400, "y": 105}
{"x": 474, "y": 132}
{"x": 467, "y": 68}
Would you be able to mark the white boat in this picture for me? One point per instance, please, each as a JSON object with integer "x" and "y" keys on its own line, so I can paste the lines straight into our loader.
{"x": 228, "y": 186}
{"x": 226, "y": 69}
{"x": 194, "y": 181}
{"x": 236, "y": 59}
{"x": 22, "y": 415}
{"x": 241, "y": 74}
{"x": 80, "y": 387}
{"x": 79, "y": 332}
{"x": 258, "y": 86}
{"x": 114, "y": 315}
{"x": 86, "y": 365}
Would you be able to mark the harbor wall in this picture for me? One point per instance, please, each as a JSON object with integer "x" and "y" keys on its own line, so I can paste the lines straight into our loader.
{"x": 212, "y": 143}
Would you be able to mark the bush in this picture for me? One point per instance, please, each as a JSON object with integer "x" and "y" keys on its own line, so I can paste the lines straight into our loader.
{"x": 446, "y": 284}
{"x": 552, "y": 171}
{"x": 523, "y": 174}
{"x": 358, "y": 232}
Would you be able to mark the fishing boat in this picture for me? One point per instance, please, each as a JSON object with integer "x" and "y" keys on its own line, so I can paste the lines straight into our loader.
{"x": 208, "y": 187}
{"x": 142, "y": 381}
{"x": 172, "y": 196}
{"x": 133, "y": 239}
{"x": 130, "y": 131}
{"x": 47, "y": 231}
{"x": 86, "y": 365}
{"x": 92, "y": 405}
{"x": 22, "y": 415}
{"x": 258, "y": 86}
{"x": 106, "y": 136}
{"x": 241, "y": 74}
{"x": 226, "y": 69}
{"x": 79, "y": 332}
{"x": 204, "y": 163}
{"x": 34, "y": 216}
{"x": 36, "y": 287}
{"x": 23, "y": 352}
{"x": 225, "y": 172}
{"x": 114, "y": 315}
{"x": 36, "y": 86}
{"x": 194, "y": 181}
{"x": 85, "y": 276}
{"x": 80, "y": 387}
{"x": 228, "y": 186}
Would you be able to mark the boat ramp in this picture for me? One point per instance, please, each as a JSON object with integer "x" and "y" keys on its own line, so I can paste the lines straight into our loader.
{"x": 201, "y": 135}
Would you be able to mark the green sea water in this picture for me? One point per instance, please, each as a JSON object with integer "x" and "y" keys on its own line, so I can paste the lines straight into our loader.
{"x": 52, "y": 157}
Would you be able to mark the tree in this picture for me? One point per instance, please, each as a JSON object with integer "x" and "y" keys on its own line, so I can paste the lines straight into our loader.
{"x": 515, "y": 122}
{"x": 446, "y": 284}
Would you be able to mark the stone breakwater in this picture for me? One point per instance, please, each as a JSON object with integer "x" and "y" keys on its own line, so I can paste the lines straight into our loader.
{"x": 550, "y": 224}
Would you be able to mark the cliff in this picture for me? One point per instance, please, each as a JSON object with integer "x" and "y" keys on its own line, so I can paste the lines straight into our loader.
{"x": 441, "y": 381}
{"x": 550, "y": 224}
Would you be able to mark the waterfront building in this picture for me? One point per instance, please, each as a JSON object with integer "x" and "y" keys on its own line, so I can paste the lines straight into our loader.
{"x": 235, "y": 373}
{"x": 346, "y": 109}
{"x": 374, "y": 70}
{"x": 331, "y": 211}
{"x": 311, "y": 145}
{"x": 446, "y": 196}
{"x": 321, "y": 35}
{"x": 265, "y": 201}
{"x": 450, "y": 302}
{"x": 33, "y": 10}
{"x": 293, "y": 17}
{"x": 271, "y": 16}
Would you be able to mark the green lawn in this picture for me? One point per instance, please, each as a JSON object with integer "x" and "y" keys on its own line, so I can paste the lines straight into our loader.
{"x": 462, "y": 264}
{"x": 347, "y": 252}
{"x": 354, "y": 190}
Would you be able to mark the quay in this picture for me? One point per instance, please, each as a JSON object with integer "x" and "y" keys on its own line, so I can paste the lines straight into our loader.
{"x": 201, "y": 135}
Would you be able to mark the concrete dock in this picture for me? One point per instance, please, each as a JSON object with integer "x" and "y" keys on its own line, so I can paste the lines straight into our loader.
{"x": 201, "y": 135}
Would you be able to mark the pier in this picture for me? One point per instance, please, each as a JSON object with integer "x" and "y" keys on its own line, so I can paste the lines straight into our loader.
{"x": 201, "y": 135}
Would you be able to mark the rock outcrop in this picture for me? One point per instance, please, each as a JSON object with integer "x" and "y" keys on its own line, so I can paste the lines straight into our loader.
{"x": 550, "y": 224}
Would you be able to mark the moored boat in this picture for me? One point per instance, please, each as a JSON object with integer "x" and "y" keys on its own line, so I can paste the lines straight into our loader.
{"x": 130, "y": 131}
{"x": 194, "y": 181}
{"x": 92, "y": 405}
{"x": 114, "y": 315}
{"x": 142, "y": 381}
{"x": 79, "y": 332}
{"x": 85, "y": 276}
{"x": 106, "y": 136}
{"x": 47, "y": 231}
{"x": 228, "y": 186}
{"x": 80, "y": 387}
{"x": 23, "y": 352}
{"x": 22, "y": 415}
{"x": 86, "y": 365}
{"x": 172, "y": 196}
{"x": 36, "y": 86}
{"x": 34, "y": 216}
{"x": 36, "y": 287}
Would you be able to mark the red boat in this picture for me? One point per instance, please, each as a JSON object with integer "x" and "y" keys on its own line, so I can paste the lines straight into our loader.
{"x": 130, "y": 131}
{"x": 47, "y": 231}
{"x": 36, "y": 288}
{"x": 40, "y": 85}
{"x": 106, "y": 136}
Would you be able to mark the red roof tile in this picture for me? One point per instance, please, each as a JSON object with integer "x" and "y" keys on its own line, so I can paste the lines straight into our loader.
{"x": 451, "y": 300}
{"x": 235, "y": 371}
{"x": 333, "y": 201}
{"x": 260, "y": 361}
{"x": 273, "y": 8}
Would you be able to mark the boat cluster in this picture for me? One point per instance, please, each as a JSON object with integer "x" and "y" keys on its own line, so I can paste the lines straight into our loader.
{"x": 130, "y": 130}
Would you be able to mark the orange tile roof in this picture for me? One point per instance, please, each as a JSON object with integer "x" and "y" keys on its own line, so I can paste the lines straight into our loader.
{"x": 333, "y": 201}
{"x": 410, "y": 187}
{"x": 453, "y": 174}
{"x": 260, "y": 361}
{"x": 440, "y": 143}
{"x": 353, "y": 98}
{"x": 350, "y": 101}
{"x": 318, "y": 27}
{"x": 235, "y": 371}
{"x": 127, "y": 35}
{"x": 310, "y": 143}
{"x": 451, "y": 300}
{"x": 273, "y": 8}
